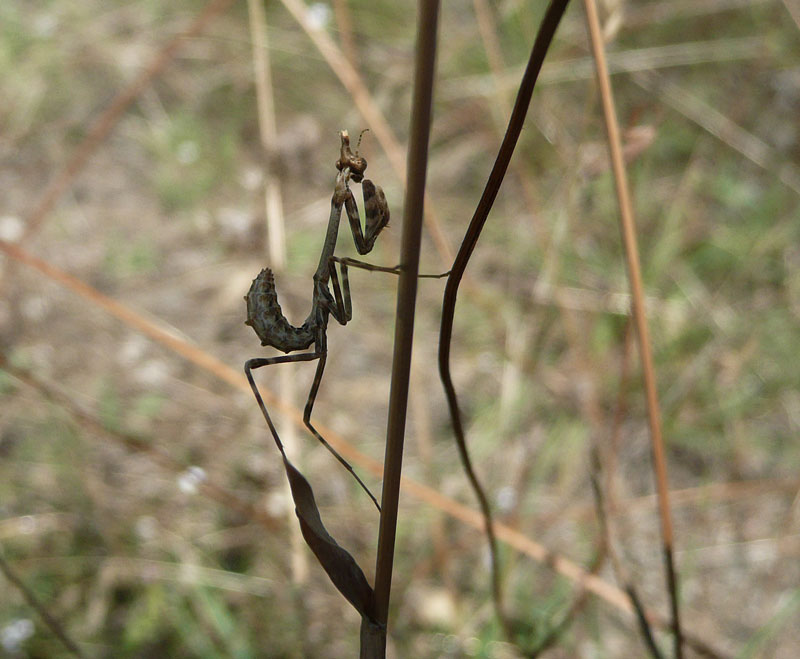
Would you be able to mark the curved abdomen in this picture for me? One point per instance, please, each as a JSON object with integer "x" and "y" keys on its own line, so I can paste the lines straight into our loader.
{"x": 264, "y": 315}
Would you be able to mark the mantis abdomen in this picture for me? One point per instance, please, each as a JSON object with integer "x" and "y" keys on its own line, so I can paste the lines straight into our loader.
{"x": 264, "y": 315}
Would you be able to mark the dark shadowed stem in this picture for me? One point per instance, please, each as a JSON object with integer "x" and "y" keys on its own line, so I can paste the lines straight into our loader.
{"x": 33, "y": 601}
{"x": 543, "y": 39}
{"x": 374, "y": 638}
{"x": 628, "y": 229}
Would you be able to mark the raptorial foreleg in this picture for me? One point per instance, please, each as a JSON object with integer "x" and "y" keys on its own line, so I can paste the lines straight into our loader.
{"x": 376, "y": 216}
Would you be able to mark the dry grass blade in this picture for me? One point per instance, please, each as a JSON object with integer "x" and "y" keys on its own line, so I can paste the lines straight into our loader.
{"x": 273, "y": 201}
{"x": 344, "y": 22}
{"x": 341, "y": 567}
{"x": 793, "y": 7}
{"x": 635, "y": 277}
{"x": 628, "y": 61}
{"x": 276, "y": 233}
{"x": 716, "y": 123}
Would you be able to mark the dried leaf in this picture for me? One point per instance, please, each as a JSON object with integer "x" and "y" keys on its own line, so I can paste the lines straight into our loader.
{"x": 341, "y": 567}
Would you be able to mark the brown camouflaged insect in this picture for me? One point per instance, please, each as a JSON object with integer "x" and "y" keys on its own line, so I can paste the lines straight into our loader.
{"x": 264, "y": 313}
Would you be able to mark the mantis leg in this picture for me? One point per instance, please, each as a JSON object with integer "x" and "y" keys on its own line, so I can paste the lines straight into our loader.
{"x": 341, "y": 307}
{"x": 312, "y": 396}
{"x": 252, "y": 364}
{"x": 394, "y": 270}
{"x": 342, "y": 310}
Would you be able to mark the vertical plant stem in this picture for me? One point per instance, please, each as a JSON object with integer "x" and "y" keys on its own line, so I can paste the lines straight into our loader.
{"x": 424, "y": 69}
{"x": 268, "y": 132}
{"x": 635, "y": 276}
{"x": 344, "y": 22}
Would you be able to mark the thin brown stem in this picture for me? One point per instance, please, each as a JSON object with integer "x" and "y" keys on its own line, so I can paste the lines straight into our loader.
{"x": 627, "y": 225}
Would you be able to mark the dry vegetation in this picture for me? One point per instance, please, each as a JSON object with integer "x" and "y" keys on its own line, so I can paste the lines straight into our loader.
{"x": 107, "y": 521}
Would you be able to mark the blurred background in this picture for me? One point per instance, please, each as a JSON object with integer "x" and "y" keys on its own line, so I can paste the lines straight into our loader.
{"x": 141, "y": 497}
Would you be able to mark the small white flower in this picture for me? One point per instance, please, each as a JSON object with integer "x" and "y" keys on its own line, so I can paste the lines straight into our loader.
{"x": 319, "y": 15}
{"x": 153, "y": 372}
{"x": 146, "y": 527}
{"x": 15, "y": 633}
{"x": 11, "y": 228}
{"x": 189, "y": 480}
{"x": 27, "y": 524}
{"x": 251, "y": 178}
{"x": 506, "y": 497}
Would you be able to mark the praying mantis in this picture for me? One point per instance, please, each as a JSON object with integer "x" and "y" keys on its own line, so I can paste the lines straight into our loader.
{"x": 329, "y": 297}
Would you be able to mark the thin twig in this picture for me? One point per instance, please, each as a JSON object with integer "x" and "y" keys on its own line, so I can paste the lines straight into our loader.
{"x": 627, "y": 225}
{"x": 413, "y": 210}
{"x": 34, "y": 602}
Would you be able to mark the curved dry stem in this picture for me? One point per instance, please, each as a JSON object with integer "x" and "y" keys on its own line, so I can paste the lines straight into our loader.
{"x": 541, "y": 44}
